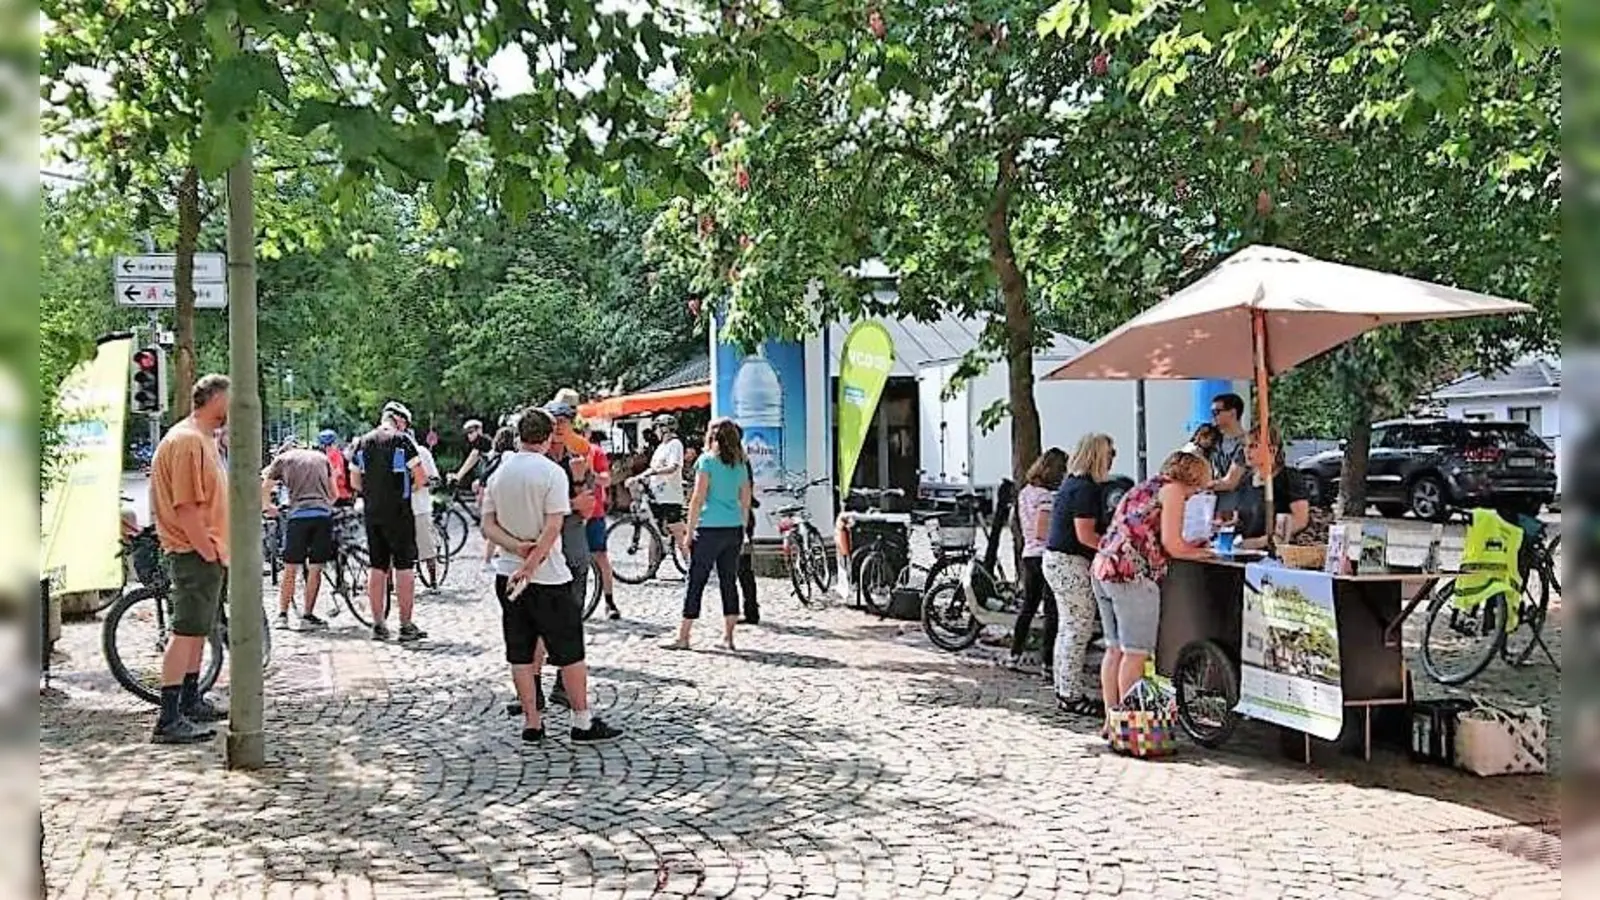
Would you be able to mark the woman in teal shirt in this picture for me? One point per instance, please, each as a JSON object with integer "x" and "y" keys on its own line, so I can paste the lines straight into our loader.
{"x": 717, "y": 512}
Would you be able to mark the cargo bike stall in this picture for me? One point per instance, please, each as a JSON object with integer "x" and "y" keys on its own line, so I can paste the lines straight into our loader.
{"x": 1311, "y": 651}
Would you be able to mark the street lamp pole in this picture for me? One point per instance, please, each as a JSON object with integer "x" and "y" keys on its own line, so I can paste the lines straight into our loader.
{"x": 288, "y": 380}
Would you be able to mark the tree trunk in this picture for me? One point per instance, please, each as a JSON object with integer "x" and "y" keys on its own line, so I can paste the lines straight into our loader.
{"x": 1353, "y": 471}
{"x": 183, "y": 279}
{"x": 1018, "y": 323}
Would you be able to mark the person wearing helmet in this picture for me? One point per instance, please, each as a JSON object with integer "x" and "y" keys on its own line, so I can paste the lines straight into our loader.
{"x": 478, "y": 448}
{"x": 328, "y": 443}
{"x": 387, "y": 471}
{"x": 665, "y": 476}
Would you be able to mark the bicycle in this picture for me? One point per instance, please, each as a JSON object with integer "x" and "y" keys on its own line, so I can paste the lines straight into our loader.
{"x": 637, "y": 532}
{"x": 954, "y": 612}
{"x": 272, "y": 538}
{"x": 348, "y": 570}
{"x": 455, "y": 516}
{"x": 135, "y": 634}
{"x": 805, "y": 557}
{"x": 1459, "y": 641}
{"x": 880, "y": 548}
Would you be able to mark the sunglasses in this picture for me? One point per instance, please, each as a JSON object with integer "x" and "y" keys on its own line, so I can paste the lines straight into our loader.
{"x": 1218, "y": 410}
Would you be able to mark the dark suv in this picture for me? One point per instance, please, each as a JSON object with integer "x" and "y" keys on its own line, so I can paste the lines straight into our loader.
{"x": 1433, "y": 466}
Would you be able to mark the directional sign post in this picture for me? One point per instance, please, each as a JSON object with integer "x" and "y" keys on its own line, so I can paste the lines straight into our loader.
{"x": 164, "y": 267}
{"x": 164, "y": 294}
{"x": 146, "y": 281}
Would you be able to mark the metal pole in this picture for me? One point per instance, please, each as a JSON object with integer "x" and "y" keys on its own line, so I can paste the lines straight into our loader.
{"x": 155, "y": 418}
{"x": 246, "y": 743}
{"x": 1141, "y": 431}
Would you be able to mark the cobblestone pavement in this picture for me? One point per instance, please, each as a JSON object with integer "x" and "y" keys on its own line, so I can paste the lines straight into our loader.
{"x": 835, "y": 756}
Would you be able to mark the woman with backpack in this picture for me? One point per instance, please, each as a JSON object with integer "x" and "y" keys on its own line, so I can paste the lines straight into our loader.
{"x": 1145, "y": 532}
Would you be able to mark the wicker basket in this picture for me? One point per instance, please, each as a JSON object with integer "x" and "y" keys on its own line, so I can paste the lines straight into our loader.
{"x": 1296, "y": 556}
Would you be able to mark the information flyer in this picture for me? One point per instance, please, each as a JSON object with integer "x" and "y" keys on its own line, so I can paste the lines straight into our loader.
{"x": 1289, "y": 673}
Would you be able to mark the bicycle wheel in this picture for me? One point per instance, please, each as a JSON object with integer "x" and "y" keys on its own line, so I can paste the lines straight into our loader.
{"x": 817, "y": 558}
{"x": 680, "y": 560}
{"x": 876, "y": 582}
{"x": 946, "y": 619}
{"x": 452, "y": 522}
{"x": 947, "y": 569}
{"x": 794, "y": 561}
{"x": 272, "y": 546}
{"x": 635, "y": 550}
{"x": 1553, "y": 551}
{"x": 591, "y": 597}
{"x": 355, "y": 573}
{"x": 1207, "y": 683}
{"x": 1519, "y": 643}
{"x": 134, "y": 639}
{"x": 1457, "y": 644}
{"x": 432, "y": 576}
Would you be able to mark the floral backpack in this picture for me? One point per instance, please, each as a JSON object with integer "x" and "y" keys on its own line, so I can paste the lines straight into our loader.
{"x": 1132, "y": 547}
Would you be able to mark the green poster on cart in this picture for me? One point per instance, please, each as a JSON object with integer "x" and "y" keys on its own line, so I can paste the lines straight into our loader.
{"x": 864, "y": 366}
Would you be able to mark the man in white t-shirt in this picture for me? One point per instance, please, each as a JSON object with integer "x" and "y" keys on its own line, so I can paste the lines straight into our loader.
{"x": 666, "y": 478}
{"x": 422, "y": 508}
{"x": 523, "y": 507}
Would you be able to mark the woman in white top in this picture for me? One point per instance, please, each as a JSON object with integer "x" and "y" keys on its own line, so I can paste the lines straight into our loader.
{"x": 1033, "y": 514}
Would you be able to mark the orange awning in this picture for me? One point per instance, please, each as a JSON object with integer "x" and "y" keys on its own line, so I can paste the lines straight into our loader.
{"x": 689, "y": 397}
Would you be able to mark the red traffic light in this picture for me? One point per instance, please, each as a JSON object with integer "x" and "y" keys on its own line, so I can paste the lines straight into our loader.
{"x": 146, "y": 359}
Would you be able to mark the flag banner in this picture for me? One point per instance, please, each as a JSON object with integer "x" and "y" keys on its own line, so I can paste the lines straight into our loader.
{"x": 864, "y": 365}
{"x": 82, "y": 543}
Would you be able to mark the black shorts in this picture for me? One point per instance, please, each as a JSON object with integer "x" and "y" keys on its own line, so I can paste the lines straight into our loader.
{"x": 308, "y": 540}
{"x": 541, "y": 611}
{"x": 667, "y": 513}
{"x": 392, "y": 541}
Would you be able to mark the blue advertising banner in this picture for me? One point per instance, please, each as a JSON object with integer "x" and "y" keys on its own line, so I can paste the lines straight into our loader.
{"x": 765, "y": 392}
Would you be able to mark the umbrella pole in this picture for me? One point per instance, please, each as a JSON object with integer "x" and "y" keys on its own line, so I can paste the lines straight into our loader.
{"x": 1258, "y": 330}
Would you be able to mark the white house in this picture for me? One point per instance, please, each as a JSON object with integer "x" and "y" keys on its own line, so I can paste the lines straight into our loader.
{"x": 1529, "y": 391}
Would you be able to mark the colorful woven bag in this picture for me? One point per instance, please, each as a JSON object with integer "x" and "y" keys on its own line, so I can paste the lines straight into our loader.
{"x": 1146, "y": 724}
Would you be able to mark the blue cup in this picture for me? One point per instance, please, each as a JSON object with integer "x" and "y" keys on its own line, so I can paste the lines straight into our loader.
{"x": 1225, "y": 542}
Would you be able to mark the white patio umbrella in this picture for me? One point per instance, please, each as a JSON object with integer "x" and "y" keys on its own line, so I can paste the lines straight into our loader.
{"x": 1263, "y": 311}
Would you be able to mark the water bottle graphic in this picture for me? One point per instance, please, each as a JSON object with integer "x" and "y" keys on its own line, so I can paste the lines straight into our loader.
{"x": 758, "y": 408}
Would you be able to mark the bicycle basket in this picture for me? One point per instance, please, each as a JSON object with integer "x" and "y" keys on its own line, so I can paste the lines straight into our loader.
{"x": 957, "y": 537}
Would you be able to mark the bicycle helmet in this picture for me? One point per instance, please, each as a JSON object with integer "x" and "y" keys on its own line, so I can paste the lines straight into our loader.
{"x": 397, "y": 409}
{"x": 667, "y": 421}
{"x": 327, "y": 437}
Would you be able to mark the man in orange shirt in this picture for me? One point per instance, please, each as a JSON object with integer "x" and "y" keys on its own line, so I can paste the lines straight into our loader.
{"x": 189, "y": 501}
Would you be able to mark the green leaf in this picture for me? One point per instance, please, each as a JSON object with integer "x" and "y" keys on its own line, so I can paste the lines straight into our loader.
{"x": 218, "y": 146}
{"x": 237, "y": 80}
{"x": 1220, "y": 17}
{"x": 356, "y": 131}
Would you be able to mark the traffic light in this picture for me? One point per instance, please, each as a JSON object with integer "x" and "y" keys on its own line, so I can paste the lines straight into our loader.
{"x": 149, "y": 395}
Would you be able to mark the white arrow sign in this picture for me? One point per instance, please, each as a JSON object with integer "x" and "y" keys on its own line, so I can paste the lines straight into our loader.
{"x": 164, "y": 267}
{"x": 164, "y": 294}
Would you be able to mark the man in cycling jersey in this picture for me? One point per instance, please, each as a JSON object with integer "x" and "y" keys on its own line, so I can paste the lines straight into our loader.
{"x": 478, "y": 449}
{"x": 388, "y": 469}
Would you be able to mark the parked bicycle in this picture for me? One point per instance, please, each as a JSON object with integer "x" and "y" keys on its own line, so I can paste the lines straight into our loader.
{"x": 879, "y": 546}
{"x": 805, "y": 556}
{"x": 636, "y": 543}
{"x": 955, "y": 611}
{"x": 1459, "y": 639}
{"x": 135, "y": 634}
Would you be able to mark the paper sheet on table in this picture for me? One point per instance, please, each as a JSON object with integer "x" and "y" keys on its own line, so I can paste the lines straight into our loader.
{"x": 1198, "y": 511}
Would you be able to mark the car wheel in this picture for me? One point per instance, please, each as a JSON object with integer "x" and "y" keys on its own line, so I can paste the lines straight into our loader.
{"x": 1428, "y": 499}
